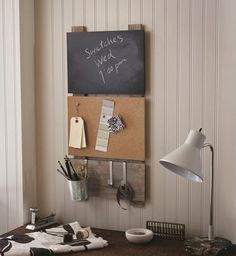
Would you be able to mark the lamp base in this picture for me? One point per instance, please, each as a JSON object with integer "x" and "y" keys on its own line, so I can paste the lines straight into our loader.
{"x": 203, "y": 246}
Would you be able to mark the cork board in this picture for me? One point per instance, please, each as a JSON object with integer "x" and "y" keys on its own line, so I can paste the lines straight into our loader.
{"x": 128, "y": 144}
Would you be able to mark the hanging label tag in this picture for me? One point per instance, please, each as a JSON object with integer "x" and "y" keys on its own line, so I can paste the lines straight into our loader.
{"x": 77, "y": 133}
{"x": 103, "y": 132}
{"x": 83, "y": 137}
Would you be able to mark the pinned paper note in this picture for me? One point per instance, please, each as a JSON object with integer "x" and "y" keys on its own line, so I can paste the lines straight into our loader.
{"x": 103, "y": 132}
{"x": 77, "y": 133}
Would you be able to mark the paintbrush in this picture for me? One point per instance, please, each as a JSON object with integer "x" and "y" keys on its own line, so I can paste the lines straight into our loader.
{"x": 68, "y": 169}
{"x": 74, "y": 175}
{"x": 63, "y": 169}
{"x": 63, "y": 174}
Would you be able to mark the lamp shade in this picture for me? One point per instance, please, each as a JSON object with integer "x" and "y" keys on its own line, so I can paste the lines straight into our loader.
{"x": 185, "y": 160}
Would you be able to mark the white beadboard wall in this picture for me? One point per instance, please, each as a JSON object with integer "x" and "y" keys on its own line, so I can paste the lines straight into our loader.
{"x": 11, "y": 197}
{"x": 28, "y": 106}
{"x": 190, "y": 83}
{"x": 17, "y": 111}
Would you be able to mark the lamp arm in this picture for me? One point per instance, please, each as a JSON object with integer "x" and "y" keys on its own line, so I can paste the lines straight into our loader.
{"x": 210, "y": 231}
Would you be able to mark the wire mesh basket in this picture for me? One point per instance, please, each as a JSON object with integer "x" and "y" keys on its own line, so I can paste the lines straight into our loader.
{"x": 165, "y": 230}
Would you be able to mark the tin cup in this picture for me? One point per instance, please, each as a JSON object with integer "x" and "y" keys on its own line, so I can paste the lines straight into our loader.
{"x": 78, "y": 190}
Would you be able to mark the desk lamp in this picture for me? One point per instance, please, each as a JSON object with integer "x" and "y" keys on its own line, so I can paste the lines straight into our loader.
{"x": 186, "y": 162}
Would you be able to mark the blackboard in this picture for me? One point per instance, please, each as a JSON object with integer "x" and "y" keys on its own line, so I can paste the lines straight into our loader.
{"x": 107, "y": 62}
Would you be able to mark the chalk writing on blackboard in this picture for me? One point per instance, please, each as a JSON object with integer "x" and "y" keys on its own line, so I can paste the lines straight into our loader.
{"x": 106, "y": 62}
{"x": 110, "y": 69}
{"x": 105, "y": 57}
{"x": 103, "y": 44}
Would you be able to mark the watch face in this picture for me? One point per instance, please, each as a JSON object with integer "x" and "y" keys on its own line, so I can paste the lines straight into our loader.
{"x": 109, "y": 62}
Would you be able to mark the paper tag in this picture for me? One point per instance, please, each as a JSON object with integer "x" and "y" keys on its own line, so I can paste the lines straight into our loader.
{"x": 77, "y": 133}
{"x": 103, "y": 132}
{"x": 83, "y": 137}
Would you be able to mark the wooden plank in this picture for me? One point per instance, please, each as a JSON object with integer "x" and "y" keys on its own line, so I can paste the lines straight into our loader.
{"x": 135, "y": 27}
{"x": 98, "y": 171}
{"x": 78, "y": 29}
{"x": 128, "y": 144}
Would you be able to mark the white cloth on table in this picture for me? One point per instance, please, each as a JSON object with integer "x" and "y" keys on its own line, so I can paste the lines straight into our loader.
{"x": 50, "y": 242}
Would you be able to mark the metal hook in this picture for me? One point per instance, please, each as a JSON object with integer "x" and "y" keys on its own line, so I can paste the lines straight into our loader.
{"x": 124, "y": 181}
{"x": 110, "y": 180}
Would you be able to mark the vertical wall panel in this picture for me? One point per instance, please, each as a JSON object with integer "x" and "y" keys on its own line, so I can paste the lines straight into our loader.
{"x": 90, "y": 14}
{"x": 147, "y": 16}
{"x": 210, "y": 99}
{"x": 136, "y": 11}
{"x": 123, "y": 13}
{"x": 59, "y": 96}
{"x": 170, "y": 104}
{"x": 184, "y": 103}
{"x": 3, "y": 129}
{"x": 158, "y": 92}
{"x": 182, "y": 92}
{"x": 28, "y": 105}
{"x": 45, "y": 114}
{"x": 19, "y": 212}
{"x": 15, "y": 168}
{"x": 78, "y": 12}
{"x": 101, "y": 15}
{"x": 225, "y": 95}
{"x": 112, "y": 14}
{"x": 196, "y": 104}
{"x": 10, "y": 110}
{"x": 67, "y": 13}
{"x": 218, "y": 38}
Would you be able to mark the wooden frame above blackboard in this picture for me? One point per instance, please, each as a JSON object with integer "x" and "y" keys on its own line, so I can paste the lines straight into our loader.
{"x": 107, "y": 62}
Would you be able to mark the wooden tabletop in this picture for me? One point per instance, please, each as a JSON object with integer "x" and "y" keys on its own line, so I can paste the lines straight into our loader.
{"x": 118, "y": 245}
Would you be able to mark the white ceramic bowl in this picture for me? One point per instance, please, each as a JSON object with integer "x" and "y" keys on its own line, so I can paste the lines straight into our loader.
{"x": 139, "y": 235}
